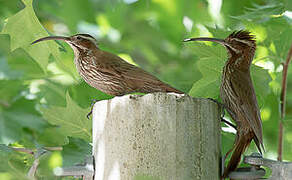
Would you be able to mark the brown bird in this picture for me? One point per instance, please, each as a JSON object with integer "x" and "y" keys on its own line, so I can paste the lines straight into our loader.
{"x": 238, "y": 95}
{"x": 108, "y": 72}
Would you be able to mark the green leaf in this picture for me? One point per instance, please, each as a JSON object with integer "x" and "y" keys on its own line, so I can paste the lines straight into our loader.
{"x": 52, "y": 136}
{"x": 23, "y": 28}
{"x": 54, "y": 93}
{"x": 283, "y": 43}
{"x": 75, "y": 152}
{"x": 227, "y": 140}
{"x": 85, "y": 9}
{"x": 6, "y": 72}
{"x": 71, "y": 119}
{"x": 210, "y": 65}
{"x": 9, "y": 90}
{"x": 13, "y": 162}
{"x": 17, "y": 64}
{"x": 5, "y": 149}
{"x": 271, "y": 121}
{"x": 261, "y": 79}
{"x": 17, "y": 116}
{"x": 21, "y": 62}
{"x": 5, "y": 152}
{"x": 260, "y": 13}
{"x": 23, "y": 112}
{"x": 84, "y": 94}
{"x": 207, "y": 87}
{"x": 288, "y": 5}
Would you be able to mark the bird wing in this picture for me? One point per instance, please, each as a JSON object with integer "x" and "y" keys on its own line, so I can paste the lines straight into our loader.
{"x": 248, "y": 105}
{"x": 125, "y": 69}
{"x": 137, "y": 79}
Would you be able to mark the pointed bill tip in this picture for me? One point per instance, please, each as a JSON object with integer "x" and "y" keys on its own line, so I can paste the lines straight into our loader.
{"x": 220, "y": 41}
{"x": 186, "y": 40}
{"x": 36, "y": 41}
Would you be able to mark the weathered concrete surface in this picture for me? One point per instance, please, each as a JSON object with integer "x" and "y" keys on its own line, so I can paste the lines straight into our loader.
{"x": 156, "y": 136}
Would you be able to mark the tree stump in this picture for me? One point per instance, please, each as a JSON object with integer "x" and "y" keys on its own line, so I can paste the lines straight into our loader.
{"x": 156, "y": 136}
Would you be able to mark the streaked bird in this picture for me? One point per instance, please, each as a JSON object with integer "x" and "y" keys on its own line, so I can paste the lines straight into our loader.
{"x": 237, "y": 93}
{"x": 108, "y": 72}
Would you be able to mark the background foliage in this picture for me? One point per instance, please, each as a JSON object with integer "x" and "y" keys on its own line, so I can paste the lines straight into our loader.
{"x": 41, "y": 92}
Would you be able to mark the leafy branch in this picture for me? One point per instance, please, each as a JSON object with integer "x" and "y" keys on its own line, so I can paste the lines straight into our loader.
{"x": 37, "y": 154}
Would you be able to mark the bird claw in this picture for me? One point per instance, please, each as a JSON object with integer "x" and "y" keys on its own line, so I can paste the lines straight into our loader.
{"x": 91, "y": 108}
{"x": 89, "y": 114}
{"x": 223, "y": 107}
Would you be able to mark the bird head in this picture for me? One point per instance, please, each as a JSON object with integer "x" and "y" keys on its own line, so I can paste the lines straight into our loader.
{"x": 77, "y": 42}
{"x": 237, "y": 42}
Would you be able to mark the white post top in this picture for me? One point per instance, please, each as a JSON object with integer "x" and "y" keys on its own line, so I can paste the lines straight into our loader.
{"x": 156, "y": 136}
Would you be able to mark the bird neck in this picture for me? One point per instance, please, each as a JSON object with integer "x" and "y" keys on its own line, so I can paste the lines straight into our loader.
{"x": 78, "y": 51}
{"x": 241, "y": 60}
{"x": 81, "y": 50}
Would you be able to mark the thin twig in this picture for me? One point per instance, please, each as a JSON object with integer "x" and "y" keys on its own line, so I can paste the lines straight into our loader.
{"x": 36, "y": 162}
{"x": 53, "y": 148}
{"x": 33, "y": 169}
{"x": 283, "y": 103}
{"x": 28, "y": 151}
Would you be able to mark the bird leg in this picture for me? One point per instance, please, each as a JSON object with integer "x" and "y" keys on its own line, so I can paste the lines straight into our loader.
{"x": 223, "y": 107}
{"x": 91, "y": 107}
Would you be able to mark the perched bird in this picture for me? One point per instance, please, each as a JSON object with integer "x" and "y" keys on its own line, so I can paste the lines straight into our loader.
{"x": 108, "y": 72}
{"x": 238, "y": 95}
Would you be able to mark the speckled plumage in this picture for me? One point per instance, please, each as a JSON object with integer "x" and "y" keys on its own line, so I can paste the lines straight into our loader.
{"x": 108, "y": 72}
{"x": 238, "y": 95}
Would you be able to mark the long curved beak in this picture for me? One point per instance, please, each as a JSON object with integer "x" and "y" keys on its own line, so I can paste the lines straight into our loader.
{"x": 52, "y": 38}
{"x": 220, "y": 41}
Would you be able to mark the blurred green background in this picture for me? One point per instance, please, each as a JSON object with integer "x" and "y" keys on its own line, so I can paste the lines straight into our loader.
{"x": 42, "y": 95}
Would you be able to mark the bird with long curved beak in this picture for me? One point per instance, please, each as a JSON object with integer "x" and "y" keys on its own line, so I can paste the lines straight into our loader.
{"x": 238, "y": 95}
{"x": 108, "y": 72}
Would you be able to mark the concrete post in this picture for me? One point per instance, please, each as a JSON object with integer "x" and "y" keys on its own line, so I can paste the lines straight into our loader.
{"x": 156, "y": 136}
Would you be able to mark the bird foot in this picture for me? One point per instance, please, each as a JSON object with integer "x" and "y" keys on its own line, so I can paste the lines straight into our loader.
{"x": 91, "y": 108}
{"x": 222, "y": 106}
{"x": 89, "y": 114}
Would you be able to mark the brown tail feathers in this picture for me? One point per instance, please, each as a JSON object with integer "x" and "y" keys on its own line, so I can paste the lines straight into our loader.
{"x": 239, "y": 147}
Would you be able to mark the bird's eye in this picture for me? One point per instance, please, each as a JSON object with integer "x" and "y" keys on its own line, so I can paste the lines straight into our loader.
{"x": 78, "y": 37}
